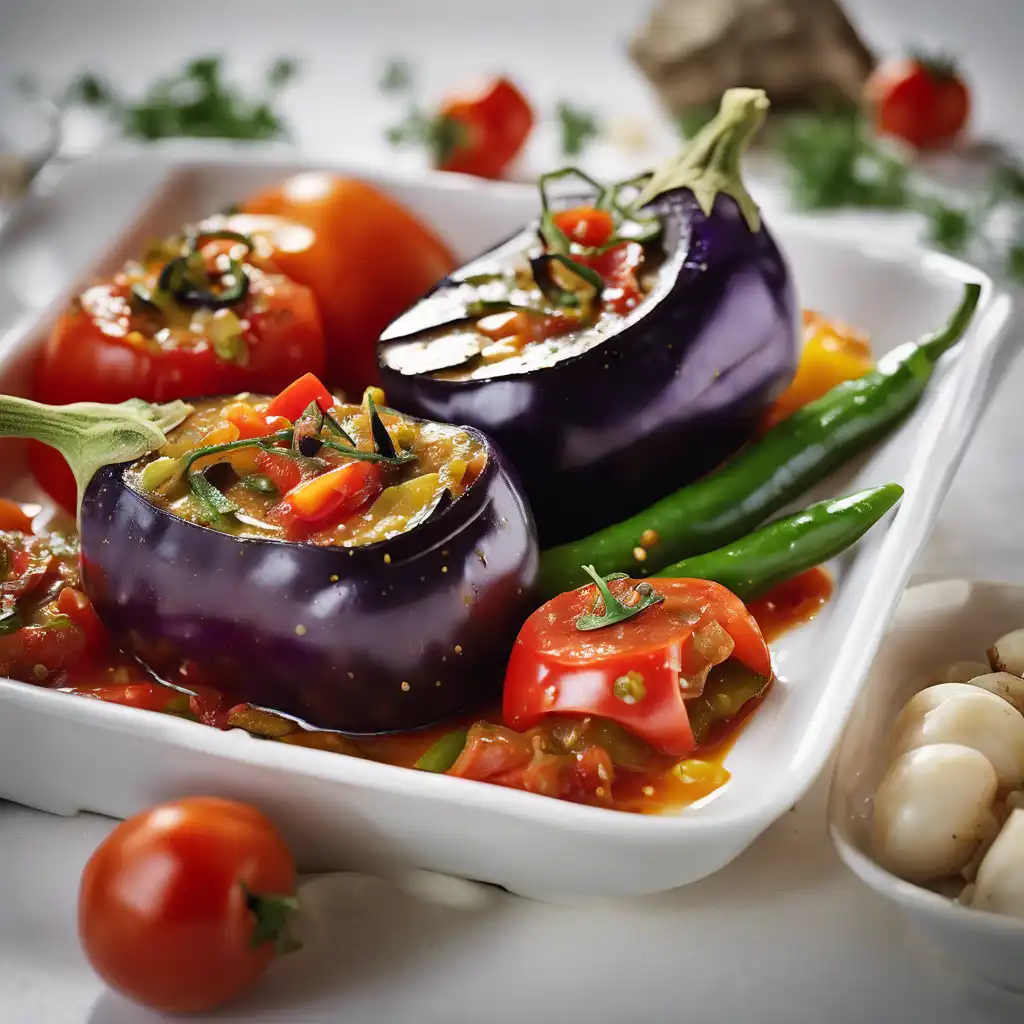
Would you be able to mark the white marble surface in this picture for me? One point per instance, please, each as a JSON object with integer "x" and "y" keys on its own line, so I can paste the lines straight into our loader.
{"x": 783, "y": 934}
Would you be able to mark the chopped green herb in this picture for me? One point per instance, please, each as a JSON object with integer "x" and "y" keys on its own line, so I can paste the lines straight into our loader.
{"x": 1015, "y": 262}
{"x": 397, "y": 76}
{"x": 439, "y": 135}
{"x": 949, "y": 227}
{"x": 614, "y": 610}
{"x": 579, "y": 128}
{"x": 834, "y": 162}
{"x": 260, "y": 483}
{"x": 10, "y": 622}
{"x": 195, "y": 102}
{"x": 444, "y": 753}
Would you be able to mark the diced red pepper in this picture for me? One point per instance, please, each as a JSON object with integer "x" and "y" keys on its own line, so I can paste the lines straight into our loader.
{"x": 503, "y": 757}
{"x": 334, "y": 495}
{"x": 78, "y": 608}
{"x": 618, "y": 267}
{"x": 294, "y": 400}
{"x": 246, "y": 420}
{"x": 586, "y": 225}
{"x": 284, "y": 471}
{"x": 146, "y": 696}
{"x": 14, "y": 517}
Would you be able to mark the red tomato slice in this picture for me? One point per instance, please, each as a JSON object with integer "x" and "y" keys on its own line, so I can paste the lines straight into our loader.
{"x": 636, "y": 673}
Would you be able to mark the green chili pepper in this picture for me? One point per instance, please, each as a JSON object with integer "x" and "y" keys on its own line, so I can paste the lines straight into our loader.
{"x": 766, "y": 475}
{"x": 444, "y": 753}
{"x": 782, "y": 549}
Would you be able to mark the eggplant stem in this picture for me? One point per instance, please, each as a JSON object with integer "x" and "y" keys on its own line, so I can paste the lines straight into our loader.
{"x": 710, "y": 163}
{"x": 91, "y": 435}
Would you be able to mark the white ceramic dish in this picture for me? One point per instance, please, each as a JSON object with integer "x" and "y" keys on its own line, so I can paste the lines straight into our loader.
{"x": 937, "y": 623}
{"x": 64, "y": 754}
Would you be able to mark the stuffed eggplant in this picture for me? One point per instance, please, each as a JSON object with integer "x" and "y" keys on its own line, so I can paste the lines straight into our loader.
{"x": 615, "y": 349}
{"x": 345, "y": 565}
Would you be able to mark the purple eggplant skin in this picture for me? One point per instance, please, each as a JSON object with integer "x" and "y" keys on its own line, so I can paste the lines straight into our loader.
{"x": 386, "y": 637}
{"x": 677, "y": 390}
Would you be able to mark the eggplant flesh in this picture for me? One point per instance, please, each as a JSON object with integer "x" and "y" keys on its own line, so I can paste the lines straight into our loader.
{"x": 376, "y": 638}
{"x": 599, "y": 430}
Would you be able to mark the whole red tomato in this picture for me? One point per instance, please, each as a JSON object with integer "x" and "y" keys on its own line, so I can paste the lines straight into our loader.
{"x": 183, "y": 907}
{"x": 925, "y": 103}
{"x": 367, "y": 260}
{"x": 485, "y": 130}
{"x": 110, "y": 346}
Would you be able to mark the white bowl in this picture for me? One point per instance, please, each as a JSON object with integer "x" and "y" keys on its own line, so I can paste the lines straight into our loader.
{"x": 937, "y": 623}
{"x": 65, "y": 754}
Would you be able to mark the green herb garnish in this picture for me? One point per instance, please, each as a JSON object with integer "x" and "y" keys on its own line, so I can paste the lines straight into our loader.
{"x": 397, "y": 76}
{"x": 444, "y": 752}
{"x": 383, "y": 442}
{"x": 10, "y": 622}
{"x": 260, "y": 483}
{"x": 583, "y": 298}
{"x": 332, "y": 423}
{"x": 196, "y": 102}
{"x": 614, "y": 610}
{"x": 834, "y": 161}
{"x": 213, "y": 504}
{"x": 579, "y": 127}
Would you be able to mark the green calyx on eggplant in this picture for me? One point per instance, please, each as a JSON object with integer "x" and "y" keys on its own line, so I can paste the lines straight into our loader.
{"x": 381, "y": 637}
{"x": 620, "y": 408}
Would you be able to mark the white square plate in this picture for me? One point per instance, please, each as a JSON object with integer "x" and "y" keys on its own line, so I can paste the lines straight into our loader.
{"x": 63, "y": 754}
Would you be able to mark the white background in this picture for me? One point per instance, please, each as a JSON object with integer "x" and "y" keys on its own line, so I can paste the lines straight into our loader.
{"x": 783, "y": 934}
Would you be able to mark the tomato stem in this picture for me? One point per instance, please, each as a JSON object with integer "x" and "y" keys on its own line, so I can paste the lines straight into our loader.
{"x": 273, "y": 913}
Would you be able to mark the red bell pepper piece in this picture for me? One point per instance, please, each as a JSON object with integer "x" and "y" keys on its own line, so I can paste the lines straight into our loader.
{"x": 14, "y": 517}
{"x": 294, "y": 400}
{"x": 586, "y": 225}
{"x": 335, "y": 495}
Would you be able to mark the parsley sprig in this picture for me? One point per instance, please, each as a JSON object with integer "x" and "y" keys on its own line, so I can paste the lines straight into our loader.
{"x": 834, "y": 161}
{"x": 195, "y": 102}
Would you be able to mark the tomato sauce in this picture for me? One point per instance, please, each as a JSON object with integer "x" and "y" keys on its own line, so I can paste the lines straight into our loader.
{"x": 664, "y": 785}
{"x": 653, "y": 784}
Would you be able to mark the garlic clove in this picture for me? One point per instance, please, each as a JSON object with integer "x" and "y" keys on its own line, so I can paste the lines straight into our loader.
{"x": 999, "y": 883}
{"x": 932, "y": 810}
{"x": 1007, "y": 653}
{"x": 976, "y": 718}
{"x": 1002, "y": 684}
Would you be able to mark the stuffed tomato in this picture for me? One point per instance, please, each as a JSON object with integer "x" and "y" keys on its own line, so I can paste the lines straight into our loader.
{"x": 204, "y": 313}
{"x": 345, "y": 565}
{"x": 622, "y": 345}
